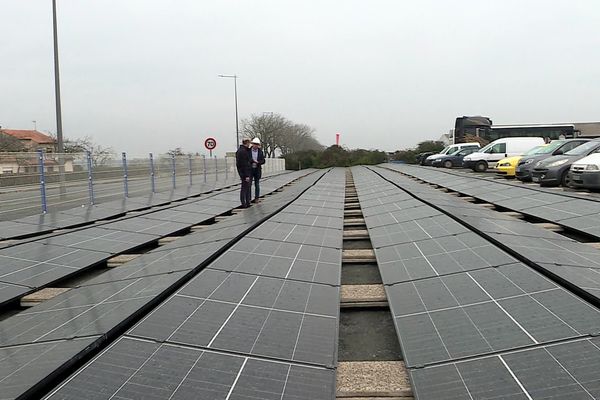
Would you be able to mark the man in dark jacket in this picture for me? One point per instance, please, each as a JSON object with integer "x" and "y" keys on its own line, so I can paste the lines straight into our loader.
{"x": 257, "y": 158}
{"x": 244, "y": 168}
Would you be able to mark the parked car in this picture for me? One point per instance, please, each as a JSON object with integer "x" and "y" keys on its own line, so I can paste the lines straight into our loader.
{"x": 421, "y": 157}
{"x": 451, "y": 149}
{"x": 585, "y": 172}
{"x": 554, "y": 170}
{"x": 555, "y": 148}
{"x": 453, "y": 160}
{"x": 507, "y": 166}
{"x": 499, "y": 149}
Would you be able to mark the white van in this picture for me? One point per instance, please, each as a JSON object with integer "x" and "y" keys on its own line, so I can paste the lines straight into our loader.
{"x": 451, "y": 149}
{"x": 499, "y": 149}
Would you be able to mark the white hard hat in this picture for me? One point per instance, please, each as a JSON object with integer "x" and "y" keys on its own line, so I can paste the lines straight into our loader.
{"x": 255, "y": 141}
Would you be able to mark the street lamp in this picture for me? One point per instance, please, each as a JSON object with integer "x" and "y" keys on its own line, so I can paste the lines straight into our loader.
{"x": 237, "y": 126}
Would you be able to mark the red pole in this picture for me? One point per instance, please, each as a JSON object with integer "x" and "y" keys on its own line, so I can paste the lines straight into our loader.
{"x": 337, "y": 139}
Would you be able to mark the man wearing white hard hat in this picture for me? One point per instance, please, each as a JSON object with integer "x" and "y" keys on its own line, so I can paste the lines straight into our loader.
{"x": 257, "y": 158}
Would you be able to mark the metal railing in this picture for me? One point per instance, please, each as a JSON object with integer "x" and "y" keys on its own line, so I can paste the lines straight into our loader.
{"x": 31, "y": 183}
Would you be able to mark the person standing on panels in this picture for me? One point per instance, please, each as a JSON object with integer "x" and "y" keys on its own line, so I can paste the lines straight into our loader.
{"x": 244, "y": 168}
{"x": 257, "y": 160}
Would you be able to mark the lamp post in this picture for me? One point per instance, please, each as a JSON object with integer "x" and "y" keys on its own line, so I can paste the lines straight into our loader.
{"x": 237, "y": 125}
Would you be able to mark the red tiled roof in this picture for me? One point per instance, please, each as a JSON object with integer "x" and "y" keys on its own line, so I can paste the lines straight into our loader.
{"x": 24, "y": 134}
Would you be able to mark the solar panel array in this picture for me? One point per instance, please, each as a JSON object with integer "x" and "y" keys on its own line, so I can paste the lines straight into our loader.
{"x": 259, "y": 322}
{"x": 37, "y": 262}
{"x": 570, "y": 210}
{"x": 99, "y": 308}
{"x": 573, "y": 263}
{"x": 473, "y": 321}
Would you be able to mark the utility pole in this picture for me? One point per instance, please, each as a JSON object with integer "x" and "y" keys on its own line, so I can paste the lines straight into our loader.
{"x": 59, "y": 132}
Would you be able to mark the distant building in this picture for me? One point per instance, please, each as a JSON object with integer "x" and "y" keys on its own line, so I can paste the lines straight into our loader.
{"x": 26, "y": 162}
{"x": 32, "y": 140}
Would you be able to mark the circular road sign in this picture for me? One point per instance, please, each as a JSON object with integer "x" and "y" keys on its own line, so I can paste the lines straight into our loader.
{"x": 210, "y": 143}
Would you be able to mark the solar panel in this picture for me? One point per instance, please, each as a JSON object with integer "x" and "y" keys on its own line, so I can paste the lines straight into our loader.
{"x": 254, "y": 315}
{"x": 88, "y": 310}
{"x": 36, "y": 264}
{"x": 323, "y": 211}
{"x": 91, "y": 213}
{"x": 550, "y": 251}
{"x": 309, "y": 220}
{"x": 530, "y": 200}
{"x": 415, "y": 230}
{"x": 391, "y": 207}
{"x": 395, "y": 217}
{"x": 320, "y": 201}
{"x": 484, "y": 311}
{"x": 515, "y": 227}
{"x": 12, "y": 229}
{"x": 9, "y": 291}
{"x": 52, "y": 220}
{"x": 282, "y": 260}
{"x": 438, "y": 256}
{"x": 22, "y": 368}
{"x": 162, "y": 261}
{"x": 558, "y": 371}
{"x": 147, "y": 225}
{"x": 589, "y": 224}
{"x": 302, "y": 234}
{"x": 191, "y": 218}
{"x": 159, "y": 371}
{"x": 101, "y": 239}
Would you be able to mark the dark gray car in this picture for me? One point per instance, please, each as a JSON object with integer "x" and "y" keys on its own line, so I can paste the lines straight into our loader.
{"x": 555, "y": 148}
{"x": 553, "y": 170}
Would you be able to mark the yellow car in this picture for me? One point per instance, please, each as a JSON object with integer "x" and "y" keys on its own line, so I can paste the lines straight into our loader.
{"x": 507, "y": 166}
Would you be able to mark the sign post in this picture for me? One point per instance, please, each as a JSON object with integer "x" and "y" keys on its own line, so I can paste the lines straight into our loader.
{"x": 210, "y": 144}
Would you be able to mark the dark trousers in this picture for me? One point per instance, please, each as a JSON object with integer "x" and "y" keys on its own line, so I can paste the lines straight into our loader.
{"x": 246, "y": 192}
{"x": 256, "y": 174}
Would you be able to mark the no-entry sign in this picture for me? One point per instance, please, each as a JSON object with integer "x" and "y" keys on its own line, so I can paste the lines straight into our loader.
{"x": 210, "y": 143}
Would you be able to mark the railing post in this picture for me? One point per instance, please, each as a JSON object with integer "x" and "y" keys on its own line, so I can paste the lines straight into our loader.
{"x": 152, "y": 184}
{"x": 42, "y": 180}
{"x": 204, "y": 166}
{"x": 125, "y": 183}
{"x": 173, "y": 171}
{"x": 216, "y": 169}
{"x": 190, "y": 168}
{"x": 90, "y": 177}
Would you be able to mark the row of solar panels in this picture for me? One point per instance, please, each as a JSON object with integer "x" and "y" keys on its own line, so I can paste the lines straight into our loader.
{"x": 576, "y": 213}
{"x": 576, "y": 264}
{"x": 473, "y": 320}
{"x": 40, "y": 343}
{"x": 32, "y": 263}
{"x": 79, "y": 216}
{"x": 259, "y": 322}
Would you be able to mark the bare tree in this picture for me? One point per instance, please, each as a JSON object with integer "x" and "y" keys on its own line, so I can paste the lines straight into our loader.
{"x": 278, "y": 134}
{"x": 101, "y": 155}
{"x": 176, "y": 152}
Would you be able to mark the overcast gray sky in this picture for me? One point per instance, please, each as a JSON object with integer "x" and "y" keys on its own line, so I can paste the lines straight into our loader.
{"x": 141, "y": 75}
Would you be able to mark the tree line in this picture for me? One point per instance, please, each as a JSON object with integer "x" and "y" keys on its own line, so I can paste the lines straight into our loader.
{"x": 333, "y": 156}
{"x": 280, "y": 136}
